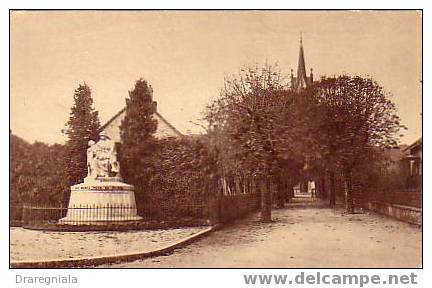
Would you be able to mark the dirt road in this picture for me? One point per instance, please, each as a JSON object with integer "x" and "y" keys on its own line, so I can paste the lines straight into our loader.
{"x": 301, "y": 238}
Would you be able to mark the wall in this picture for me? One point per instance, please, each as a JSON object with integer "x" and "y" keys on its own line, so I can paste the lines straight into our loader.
{"x": 236, "y": 206}
{"x": 404, "y": 213}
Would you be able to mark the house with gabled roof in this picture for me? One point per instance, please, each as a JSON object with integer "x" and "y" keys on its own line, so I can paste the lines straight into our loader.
{"x": 164, "y": 128}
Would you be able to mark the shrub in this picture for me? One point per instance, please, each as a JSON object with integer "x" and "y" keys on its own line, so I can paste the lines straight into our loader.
{"x": 184, "y": 175}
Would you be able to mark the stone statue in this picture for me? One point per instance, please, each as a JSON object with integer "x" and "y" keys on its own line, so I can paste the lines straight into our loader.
{"x": 102, "y": 190}
{"x": 91, "y": 160}
{"x": 102, "y": 159}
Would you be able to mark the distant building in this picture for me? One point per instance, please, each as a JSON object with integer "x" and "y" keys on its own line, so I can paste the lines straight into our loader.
{"x": 301, "y": 81}
{"x": 164, "y": 128}
{"x": 412, "y": 164}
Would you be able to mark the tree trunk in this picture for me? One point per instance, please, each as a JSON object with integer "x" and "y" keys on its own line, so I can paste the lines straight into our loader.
{"x": 332, "y": 190}
{"x": 266, "y": 201}
{"x": 291, "y": 193}
{"x": 289, "y": 190}
{"x": 317, "y": 187}
{"x": 349, "y": 201}
{"x": 215, "y": 202}
{"x": 323, "y": 191}
{"x": 281, "y": 193}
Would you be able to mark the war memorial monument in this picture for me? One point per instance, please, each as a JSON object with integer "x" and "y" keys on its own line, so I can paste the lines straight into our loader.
{"x": 103, "y": 197}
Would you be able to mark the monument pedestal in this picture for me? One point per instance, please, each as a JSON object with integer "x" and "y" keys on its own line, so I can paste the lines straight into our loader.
{"x": 100, "y": 202}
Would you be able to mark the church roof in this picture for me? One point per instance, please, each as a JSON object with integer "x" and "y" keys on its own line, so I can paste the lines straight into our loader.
{"x": 301, "y": 80}
{"x": 301, "y": 68}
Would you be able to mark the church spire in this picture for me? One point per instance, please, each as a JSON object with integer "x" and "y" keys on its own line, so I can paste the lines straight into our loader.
{"x": 302, "y": 80}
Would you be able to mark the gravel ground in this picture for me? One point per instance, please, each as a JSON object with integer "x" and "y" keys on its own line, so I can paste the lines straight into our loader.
{"x": 302, "y": 238}
{"x": 39, "y": 245}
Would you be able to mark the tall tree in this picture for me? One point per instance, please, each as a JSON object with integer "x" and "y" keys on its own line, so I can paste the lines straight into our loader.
{"x": 358, "y": 118}
{"x": 83, "y": 125}
{"x": 250, "y": 119}
{"x": 137, "y": 133}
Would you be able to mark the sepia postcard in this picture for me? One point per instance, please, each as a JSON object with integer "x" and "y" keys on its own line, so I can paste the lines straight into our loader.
{"x": 216, "y": 139}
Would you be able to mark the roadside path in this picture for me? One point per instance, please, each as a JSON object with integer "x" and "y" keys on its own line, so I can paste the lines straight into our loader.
{"x": 45, "y": 245}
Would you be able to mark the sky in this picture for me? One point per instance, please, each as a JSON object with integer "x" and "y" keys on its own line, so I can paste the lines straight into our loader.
{"x": 185, "y": 56}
